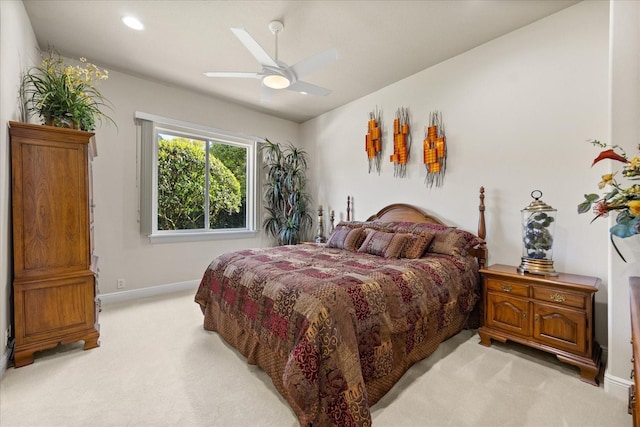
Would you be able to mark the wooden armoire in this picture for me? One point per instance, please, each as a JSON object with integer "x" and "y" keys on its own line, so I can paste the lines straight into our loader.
{"x": 54, "y": 283}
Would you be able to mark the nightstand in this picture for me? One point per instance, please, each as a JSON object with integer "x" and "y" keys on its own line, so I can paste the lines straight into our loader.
{"x": 553, "y": 314}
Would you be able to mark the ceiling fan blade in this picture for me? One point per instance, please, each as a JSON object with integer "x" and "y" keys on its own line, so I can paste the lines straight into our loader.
{"x": 256, "y": 50}
{"x": 313, "y": 63}
{"x": 311, "y": 89}
{"x": 234, "y": 74}
{"x": 266, "y": 93}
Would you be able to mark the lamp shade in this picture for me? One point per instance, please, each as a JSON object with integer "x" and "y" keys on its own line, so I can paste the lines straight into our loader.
{"x": 538, "y": 226}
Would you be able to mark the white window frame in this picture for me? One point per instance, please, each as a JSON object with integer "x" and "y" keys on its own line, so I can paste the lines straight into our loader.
{"x": 149, "y": 126}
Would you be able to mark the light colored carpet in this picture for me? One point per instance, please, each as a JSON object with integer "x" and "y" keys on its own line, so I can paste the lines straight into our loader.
{"x": 158, "y": 367}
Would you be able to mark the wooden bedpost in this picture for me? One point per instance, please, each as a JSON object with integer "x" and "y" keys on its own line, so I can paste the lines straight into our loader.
{"x": 482, "y": 229}
{"x": 482, "y": 251}
{"x": 348, "y": 208}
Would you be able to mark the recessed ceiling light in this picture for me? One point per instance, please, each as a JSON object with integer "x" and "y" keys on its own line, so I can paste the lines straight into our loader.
{"x": 133, "y": 23}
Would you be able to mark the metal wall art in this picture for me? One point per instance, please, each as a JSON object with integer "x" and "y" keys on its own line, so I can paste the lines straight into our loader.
{"x": 373, "y": 140}
{"x": 401, "y": 143}
{"x": 435, "y": 151}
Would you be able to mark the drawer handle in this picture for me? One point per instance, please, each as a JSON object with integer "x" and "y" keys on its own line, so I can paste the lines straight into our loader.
{"x": 536, "y": 317}
{"x": 557, "y": 297}
{"x": 524, "y": 315}
{"x": 506, "y": 288}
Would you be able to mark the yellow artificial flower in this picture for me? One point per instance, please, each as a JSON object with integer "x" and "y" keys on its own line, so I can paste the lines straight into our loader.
{"x": 63, "y": 94}
{"x": 632, "y": 169}
{"x": 606, "y": 179}
{"x": 634, "y": 207}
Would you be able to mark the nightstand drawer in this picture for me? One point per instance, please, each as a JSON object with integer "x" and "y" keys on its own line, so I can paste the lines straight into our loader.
{"x": 508, "y": 287}
{"x": 559, "y": 297}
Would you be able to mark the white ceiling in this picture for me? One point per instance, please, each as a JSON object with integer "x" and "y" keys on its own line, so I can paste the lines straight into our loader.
{"x": 378, "y": 42}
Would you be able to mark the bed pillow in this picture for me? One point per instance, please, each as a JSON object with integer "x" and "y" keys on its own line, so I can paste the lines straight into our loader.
{"x": 382, "y": 243}
{"x": 345, "y": 237}
{"x": 351, "y": 224}
{"x": 416, "y": 245}
{"x": 425, "y": 227}
{"x": 454, "y": 242}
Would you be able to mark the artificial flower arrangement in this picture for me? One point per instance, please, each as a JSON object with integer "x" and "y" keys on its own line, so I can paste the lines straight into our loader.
{"x": 64, "y": 95}
{"x": 624, "y": 200}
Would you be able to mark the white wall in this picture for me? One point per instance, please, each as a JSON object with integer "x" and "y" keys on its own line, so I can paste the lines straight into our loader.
{"x": 17, "y": 51}
{"x": 625, "y": 131}
{"x": 517, "y": 112}
{"x": 123, "y": 252}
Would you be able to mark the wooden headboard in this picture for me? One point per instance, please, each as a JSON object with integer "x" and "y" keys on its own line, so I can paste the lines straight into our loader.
{"x": 405, "y": 212}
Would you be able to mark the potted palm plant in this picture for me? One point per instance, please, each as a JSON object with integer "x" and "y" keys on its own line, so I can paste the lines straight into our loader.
{"x": 287, "y": 218}
{"x": 64, "y": 95}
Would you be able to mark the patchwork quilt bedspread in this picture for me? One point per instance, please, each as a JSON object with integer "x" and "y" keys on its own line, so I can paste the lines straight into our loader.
{"x": 335, "y": 329}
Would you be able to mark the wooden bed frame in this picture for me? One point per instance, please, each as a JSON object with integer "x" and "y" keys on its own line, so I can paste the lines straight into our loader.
{"x": 405, "y": 212}
{"x": 274, "y": 362}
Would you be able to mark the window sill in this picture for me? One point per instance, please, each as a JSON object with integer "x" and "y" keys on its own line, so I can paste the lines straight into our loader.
{"x": 197, "y": 236}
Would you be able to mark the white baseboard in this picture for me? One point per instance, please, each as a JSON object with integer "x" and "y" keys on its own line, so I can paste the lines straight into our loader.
{"x": 123, "y": 296}
{"x": 148, "y": 292}
{"x": 617, "y": 386}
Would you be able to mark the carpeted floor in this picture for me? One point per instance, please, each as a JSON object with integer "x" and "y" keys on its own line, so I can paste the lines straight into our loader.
{"x": 158, "y": 367}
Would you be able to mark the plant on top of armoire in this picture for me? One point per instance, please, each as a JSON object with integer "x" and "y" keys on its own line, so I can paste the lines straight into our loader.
{"x": 288, "y": 218}
{"x": 64, "y": 95}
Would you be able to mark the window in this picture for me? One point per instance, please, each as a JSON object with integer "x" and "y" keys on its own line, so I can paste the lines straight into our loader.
{"x": 195, "y": 182}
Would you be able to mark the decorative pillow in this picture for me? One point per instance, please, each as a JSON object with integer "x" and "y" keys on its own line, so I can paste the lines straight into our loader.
{"x": 416, "y": 245}
{"x": 352, "y": 224}
{"x": 345, "y": 237}
{"x": 396, "y": 225}
{"x": 454, "y": 242}
{"x": 378, "y": 226}
{"x": 382, "y": 243}
{"x": 428, "y": 227}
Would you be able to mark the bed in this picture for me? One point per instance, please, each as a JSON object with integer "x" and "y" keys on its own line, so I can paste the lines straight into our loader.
{"x": 335, "y": 326}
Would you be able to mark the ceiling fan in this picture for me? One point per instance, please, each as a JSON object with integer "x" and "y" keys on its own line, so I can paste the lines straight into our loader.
{"x": 276, "y": 74}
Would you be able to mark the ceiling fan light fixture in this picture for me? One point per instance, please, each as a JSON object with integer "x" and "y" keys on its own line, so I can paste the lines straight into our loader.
{"x": 276, "y": 81}
{"x": 133, "y": 23}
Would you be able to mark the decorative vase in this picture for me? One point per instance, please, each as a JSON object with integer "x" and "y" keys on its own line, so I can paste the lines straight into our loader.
{"x": 538, "y": 223}
{"x": 61, "y": 122}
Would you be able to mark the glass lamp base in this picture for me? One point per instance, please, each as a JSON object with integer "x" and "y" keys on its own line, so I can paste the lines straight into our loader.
{"x": 542, "y": 267}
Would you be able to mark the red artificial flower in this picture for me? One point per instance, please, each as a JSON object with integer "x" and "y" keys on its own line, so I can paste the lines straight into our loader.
{"x": 610, "y": 154}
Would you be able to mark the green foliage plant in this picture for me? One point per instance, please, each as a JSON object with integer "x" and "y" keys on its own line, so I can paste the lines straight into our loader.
{"x": 181, "y": 186}
{"x": 235, "y": 159}
{"x": 287, "y": 218}
{"x": 64, "y": 95}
